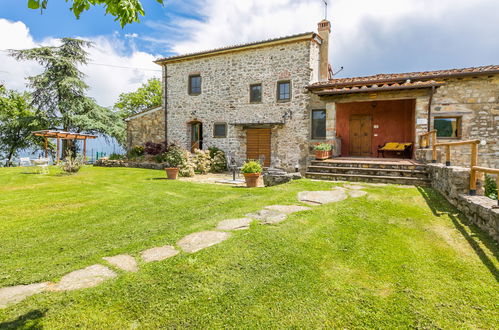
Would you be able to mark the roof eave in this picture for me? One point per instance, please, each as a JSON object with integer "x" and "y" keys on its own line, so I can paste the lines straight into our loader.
{"x": 259, "y": 44}
{"x": 378, "y": 89}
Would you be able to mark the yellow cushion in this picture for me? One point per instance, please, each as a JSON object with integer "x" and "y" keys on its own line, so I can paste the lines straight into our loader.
{"x": 395, "y": 146}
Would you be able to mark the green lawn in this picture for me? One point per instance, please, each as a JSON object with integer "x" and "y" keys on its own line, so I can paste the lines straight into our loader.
{"x": 396, "y": 258}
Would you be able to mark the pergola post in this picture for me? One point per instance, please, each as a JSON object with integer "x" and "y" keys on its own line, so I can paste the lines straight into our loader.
{"x": 85, "y": 150}
{"x": 46, "y": 148}
{"x": 57, "y": 151}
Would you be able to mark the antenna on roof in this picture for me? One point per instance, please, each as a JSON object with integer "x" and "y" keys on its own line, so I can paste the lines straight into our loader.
{"x": 325, "y": 9}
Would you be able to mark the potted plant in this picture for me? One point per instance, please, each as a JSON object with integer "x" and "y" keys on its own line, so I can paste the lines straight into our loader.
{"x": 174, "y": 157}
{"x": 322, "y": 151}
{"x": 251, "y": 171}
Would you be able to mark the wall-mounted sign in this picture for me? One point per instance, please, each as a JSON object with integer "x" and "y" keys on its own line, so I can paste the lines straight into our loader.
{"x": 376, "y": 126}
{"x": 422, "y": 121}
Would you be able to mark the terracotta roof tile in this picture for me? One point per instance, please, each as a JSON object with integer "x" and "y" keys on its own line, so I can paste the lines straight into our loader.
{"x": 235, "y": 47}
{"x": 403, "y": 77}
{"x": 331, "y": 90}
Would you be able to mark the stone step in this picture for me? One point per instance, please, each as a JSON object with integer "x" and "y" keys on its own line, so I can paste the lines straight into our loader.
{"x": 407, "y": 165}
{"x": 368, "y": 178}
{"x": 369, "y": 171}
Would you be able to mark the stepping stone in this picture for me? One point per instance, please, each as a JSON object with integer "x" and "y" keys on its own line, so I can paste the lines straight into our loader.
{"x": 268, "y": 216}
{"x": 357, "y": 193}
{"x": 198, "y": 241}
{"x": 124, "y": 262}
{"x": 15, "y": 294}
{"x": 159, "y": 253}
{"x": 353, "y": 186}
{"x": 287, "y": 209}
{"x": 84, "y": 278}
{"x": 235, "y": 224}
{"x": 321, "y": 197}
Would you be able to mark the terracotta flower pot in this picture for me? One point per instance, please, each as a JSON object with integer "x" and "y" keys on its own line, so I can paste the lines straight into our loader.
{"x": 251, "y": 179}
{"x": 171, "y": 173}
{"x": 322, "y": 154}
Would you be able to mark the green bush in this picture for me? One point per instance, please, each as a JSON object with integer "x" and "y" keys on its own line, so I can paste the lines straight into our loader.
{"x": 71, "y": 164}
{"x": 175, "y": 156}
{"x": 490, "y": 186}
{"x": 115, "y": 156}
{"x": 136, "y": 151}
{"x": 251, "y": 167}
{"x": 218, "y": 162}
{"x": 188, "y": 166}
{"x": 202, "y": 160}
{"x": 323, "y": 147}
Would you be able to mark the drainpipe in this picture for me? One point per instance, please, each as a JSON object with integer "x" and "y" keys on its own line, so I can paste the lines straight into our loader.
{"x": 429, "y": 107}
{"x": 165, "y": 96}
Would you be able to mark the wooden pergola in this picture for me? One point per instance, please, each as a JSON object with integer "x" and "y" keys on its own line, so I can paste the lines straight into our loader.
{"x": 62, "y": 135}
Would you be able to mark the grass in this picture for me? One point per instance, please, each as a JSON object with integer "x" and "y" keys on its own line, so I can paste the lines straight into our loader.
{"x": 399, "y": 257}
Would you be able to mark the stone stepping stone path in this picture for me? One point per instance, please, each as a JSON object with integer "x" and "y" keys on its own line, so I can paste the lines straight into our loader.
{"x": 159, "y": 253}
{"x": 268, "y": 216}
{"x": 322, "y": 197}
{"x": 287, "y": 209}
{"x": 84, "y": 278}
{"x": 96, "y": 274}
{"x": 235, "y": 224}
{"x": 15, "y": 294}
{"x": 124, "y": 262}
{"x": 198, "y": 241}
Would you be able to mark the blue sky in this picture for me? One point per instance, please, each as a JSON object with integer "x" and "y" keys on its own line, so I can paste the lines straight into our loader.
{"x": 368, "y": 36}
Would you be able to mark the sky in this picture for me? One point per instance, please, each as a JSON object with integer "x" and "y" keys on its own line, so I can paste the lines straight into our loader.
{"x": 368, "y": 36}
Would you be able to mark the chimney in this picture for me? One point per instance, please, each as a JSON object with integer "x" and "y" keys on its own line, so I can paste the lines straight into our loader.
{"x": 324, "y": 29}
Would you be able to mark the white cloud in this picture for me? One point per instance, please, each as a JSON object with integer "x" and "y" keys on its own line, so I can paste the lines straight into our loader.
{"x": 111, "y": 71}
{"x": 368, "y": 36}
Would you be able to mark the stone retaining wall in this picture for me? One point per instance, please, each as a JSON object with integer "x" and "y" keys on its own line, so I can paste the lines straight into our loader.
{"x": 453, "y": 183}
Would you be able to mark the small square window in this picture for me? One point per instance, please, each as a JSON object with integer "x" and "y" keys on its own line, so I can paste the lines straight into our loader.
{"x": 194, "y": 84}
{"x": 447, "y": 127}
{"x": 220, "y": 130}
{"x": 256, "y": 93}
{"x": 284, "y": 91}
{"x": 318, "y": 124}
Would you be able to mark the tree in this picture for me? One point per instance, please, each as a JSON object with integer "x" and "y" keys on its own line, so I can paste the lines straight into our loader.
{"x": 17, "y": 120}
{"x": 124, "y": 11}
{"x": 59, "y": 91}
{"x": 147, "y": 96}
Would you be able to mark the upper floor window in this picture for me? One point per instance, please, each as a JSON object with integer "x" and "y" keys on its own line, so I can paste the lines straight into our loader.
{"x": 220, "y": 130}
{"x": 283, "y": 91}
{"x": 447, "y": 127}
{"x": 318, "y": 124}
{"x": 195, "y": 84}
{"x": 256, "y": 93}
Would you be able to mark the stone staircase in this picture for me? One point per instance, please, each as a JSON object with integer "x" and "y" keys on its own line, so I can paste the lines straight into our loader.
{"x": 395, "y": 171}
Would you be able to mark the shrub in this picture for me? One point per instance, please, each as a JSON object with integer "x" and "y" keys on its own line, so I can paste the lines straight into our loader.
{"x": 136, "y": 151}
{"x": 187, "y": 168}
{"x": 213, "y": 151}
{"x": 115, "y": 156}
{"x": 175, "y": 156}
{"x": 323, "y": 147}
{"x": 490, "y": 186}
{"x": 71, "y": 164}
{"x": 154, "y": 149}
{"x": 251, "y": 167}
{"x": 202, "y": 160}
{"x": 218, "y": 162}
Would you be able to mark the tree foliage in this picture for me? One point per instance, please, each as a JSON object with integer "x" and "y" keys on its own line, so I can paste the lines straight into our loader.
{"x": 147, "y": 96}
{"x": 17, "y": 120}
{"x": 124, "y": 11}
{"x": 59, "y": 92}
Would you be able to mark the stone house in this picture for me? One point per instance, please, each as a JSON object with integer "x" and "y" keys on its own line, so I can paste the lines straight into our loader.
{"x": 274, "y": 99}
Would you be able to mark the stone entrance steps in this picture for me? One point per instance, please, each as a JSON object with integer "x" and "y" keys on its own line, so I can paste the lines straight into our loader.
{"x": 372, "y": 170}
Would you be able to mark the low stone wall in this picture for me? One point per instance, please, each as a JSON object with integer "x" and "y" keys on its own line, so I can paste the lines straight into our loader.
{"x": 122, "y": 163}
{"x": 453, "y": 182}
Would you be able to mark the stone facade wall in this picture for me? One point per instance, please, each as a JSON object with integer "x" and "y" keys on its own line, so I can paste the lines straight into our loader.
{"x": 226, "y": 80}
{"x": 453, "y": 182}
{"x": 146, "y": 127}
{"x": 476, "y": 101}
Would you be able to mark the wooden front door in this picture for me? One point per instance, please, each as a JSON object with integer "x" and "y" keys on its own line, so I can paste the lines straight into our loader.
{"x": 196, "y": 136}
{"x": 258, "y": 144}
{"x": 360, "y": 135}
